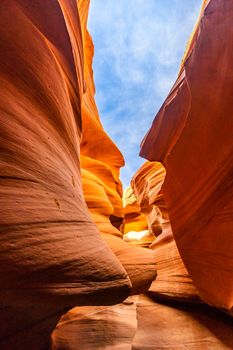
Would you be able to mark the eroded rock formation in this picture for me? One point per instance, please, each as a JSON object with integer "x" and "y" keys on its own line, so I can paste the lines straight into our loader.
{"x": 52, "y": 256}
{"x": 53, "y": 212}
{"x": 100, "y": 164}
{"x": 168, "y": 318}
{"x": 192, "y": 137}
{"x": 173, "y": 280}
{"x": 135, "y": 221}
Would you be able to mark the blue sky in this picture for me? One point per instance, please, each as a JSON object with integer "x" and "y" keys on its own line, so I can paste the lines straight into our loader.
{"x": 138, "y": 49}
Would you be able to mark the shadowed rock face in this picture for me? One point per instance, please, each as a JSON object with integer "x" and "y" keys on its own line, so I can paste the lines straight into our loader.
{"x": 98, "y": 327}
{"x": 192, "y": 137}
{"x": 152, "y": 322}
{"x": 178, "y": 326}
{"x": 52, "y": 214}
{"x": 52, "y": 256}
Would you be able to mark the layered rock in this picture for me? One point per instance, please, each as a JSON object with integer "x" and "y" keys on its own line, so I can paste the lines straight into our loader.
{"x": 192, "y": 137}
{"x": 135, "y": 222}
{"x": 178, "y": 326}
{"x": 100, "y": 328}
{"x": 100, "y": 165}
{"x": 52, "y": 256}
{"x": 173, "y": 281}
{"x": 143, "y": 323}
{"x": 161, "y": 324}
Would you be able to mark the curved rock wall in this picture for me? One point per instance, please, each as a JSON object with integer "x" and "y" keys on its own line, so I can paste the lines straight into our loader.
{"x": 192, "y": 137}
{"x": 100, "y": 166}
{"x": 173, "y": 281}
{"x": 52, "y": 256}
{"x": 53, "y": 212}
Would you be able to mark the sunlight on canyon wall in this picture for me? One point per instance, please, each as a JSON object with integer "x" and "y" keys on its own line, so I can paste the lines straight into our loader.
{"x": 150, "y": 268}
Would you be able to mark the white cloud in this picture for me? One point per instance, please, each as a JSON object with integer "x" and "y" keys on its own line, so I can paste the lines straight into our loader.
{"x": 138, "y": 48}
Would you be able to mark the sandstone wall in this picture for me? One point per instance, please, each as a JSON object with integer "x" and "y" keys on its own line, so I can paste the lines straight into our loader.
{"x": 192, "y": 137}
{"x": 172, "y": 315}
{"x": 52, "y": 256}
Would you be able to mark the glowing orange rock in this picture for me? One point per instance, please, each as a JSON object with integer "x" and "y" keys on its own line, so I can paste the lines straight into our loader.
{"x": 135, "y": 222}
{"x": 147, "y": 183}
{"x": 192, "y": 137}
{"x": 51, "y": 253}
{"x": 100, "y": 163}
{"x": 172, "y": 279}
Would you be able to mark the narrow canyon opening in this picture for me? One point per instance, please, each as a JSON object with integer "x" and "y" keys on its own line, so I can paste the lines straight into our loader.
{"x": 84, "y": 264}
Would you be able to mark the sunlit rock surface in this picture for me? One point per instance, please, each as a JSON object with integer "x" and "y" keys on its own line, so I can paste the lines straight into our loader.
{"x": 52, "y": 256}
{"x": 172, "y": 280}
{"x": 100, "y": 164}
{"x": 192, "y": 137}
{"x": 52, "y": 213}
{"x": 135, "y": 222}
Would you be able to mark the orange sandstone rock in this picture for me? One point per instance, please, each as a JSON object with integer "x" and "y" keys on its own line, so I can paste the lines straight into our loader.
{"x": 100, "y": 165}
{"x": 177, "y": 326}
{"x": 146, "y": 184}
{"x": 172, "y": 280}
{"x": 99, "y": 328}
{"x": 143, "y": 323}
{"x": 51, "y": 253}
{"x": 192, "y": 137}
{"x": 135, "y": 222}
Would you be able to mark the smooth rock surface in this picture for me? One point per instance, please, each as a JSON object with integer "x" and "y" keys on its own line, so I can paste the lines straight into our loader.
{"x": 173, "y": 280}
{"x": 52, "y": 256}
{"x": 100, "y": 166}
{"x": 192, "y": 137}
{"x": 179, "y": 326}
{"x": 103, "y": 328}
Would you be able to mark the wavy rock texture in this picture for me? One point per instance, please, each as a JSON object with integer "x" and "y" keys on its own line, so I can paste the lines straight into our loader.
{"x": 100, "y": 164}
{"x": 146, "y": 184}
{"x": 143, "y": 323}
{"x": 135, "y": 222}
{"x": 101, "y": 328}
{"x": 180, "y": 326}
{"x": 172, "y": 280}
{"x": 147, "y": 323}
{"x": 192, "y": 137}
{"x": 134, "y": 219}
{"x": 52, "y": 257}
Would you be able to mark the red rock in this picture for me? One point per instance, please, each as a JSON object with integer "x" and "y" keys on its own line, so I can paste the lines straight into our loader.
{"x": 146, "y": 184}
{"x": 172, "y": 281}
{"x": 177, "y": 326}
{"x": 192, "y": 137}
{"x": 51, "y": 252}
{"x": 100, "y": 166}
{"x": 97, "y": 327}
{"x": 144, "y": 324}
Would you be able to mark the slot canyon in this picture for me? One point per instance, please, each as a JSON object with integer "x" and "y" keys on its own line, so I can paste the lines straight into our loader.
{"x": 84, "y": 264}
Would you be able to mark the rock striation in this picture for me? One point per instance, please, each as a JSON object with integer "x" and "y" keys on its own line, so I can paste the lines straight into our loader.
{"x": 67, "y": 238}
{"x": 52, "y": 256}
{"x": 192, "y": 137}
{"x": 173, "y": 281}
{"x": 172, "y": 314}
{"x": 135, "y": 222}
{"x": 100, "y": 165}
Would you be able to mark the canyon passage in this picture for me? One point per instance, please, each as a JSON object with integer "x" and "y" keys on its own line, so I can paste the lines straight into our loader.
{"x": 84, "y": 264}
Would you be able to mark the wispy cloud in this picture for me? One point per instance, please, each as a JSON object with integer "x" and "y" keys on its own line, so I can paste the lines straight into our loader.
{"x": 138, "y": 48}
